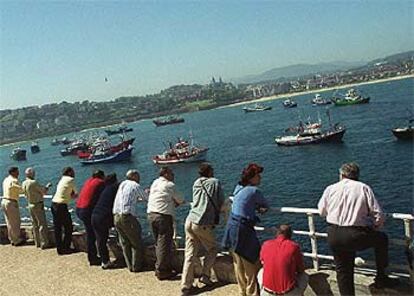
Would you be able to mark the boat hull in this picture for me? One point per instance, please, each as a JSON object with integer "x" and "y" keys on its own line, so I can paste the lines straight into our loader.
{"x": 119, "y": 131}
{"x": 248, "y": 110}
{"x": 19, "y": 155}
{"x": 404, "y": 133}
{"x": 342, "y": 102}
{"x": 35, "y": 149}
{"x": 162, "y": 123}
{"x": 116, "y": 157}
{"x": 331, "y": 136}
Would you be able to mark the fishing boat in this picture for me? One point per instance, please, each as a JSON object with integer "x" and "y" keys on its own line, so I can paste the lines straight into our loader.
{"x": 289, "y": 103}
{"x": 181, "y": 152}
{"x": 107, "y": 156}
{"x": 257, "y": 107}
{"x": 74, "y": 147}
{"x": 63, "y": 141}
{"x": 319, "y": 101}
{"x": 105, "y": 143}
{"x": 120, "y": 130}
{"x": 312, "y": 133}
{"x": 34, "y": 147}
{"x": 404, "y": 133}
{"x": 168, "y": 120}
{"x": 352, "y": 97}
{"x": 18, "y": 154}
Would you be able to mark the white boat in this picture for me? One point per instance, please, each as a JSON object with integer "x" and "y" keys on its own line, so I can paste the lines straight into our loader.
{"x": 257, "y": 107}
{"x": 289, "y": 103}
{"x": 318, "y": 100}
{"x": 181, "y": 152}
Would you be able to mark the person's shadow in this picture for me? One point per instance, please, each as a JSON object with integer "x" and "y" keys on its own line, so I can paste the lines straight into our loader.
{"x": 318, "y": 282}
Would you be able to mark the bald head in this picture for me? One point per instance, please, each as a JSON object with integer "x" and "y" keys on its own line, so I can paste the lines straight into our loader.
{"x": 30, "y": 173}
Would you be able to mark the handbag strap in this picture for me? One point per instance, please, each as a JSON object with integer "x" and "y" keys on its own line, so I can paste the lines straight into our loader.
{"x": 209, "y": 197}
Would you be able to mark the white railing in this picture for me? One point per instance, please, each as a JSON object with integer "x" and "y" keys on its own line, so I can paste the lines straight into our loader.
{"x": 313, "y": 235}
{"x": 407, "y": 219}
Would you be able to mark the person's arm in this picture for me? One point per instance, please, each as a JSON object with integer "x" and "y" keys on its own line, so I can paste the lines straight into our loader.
{"x": 74, "y": 194}
{"x": 300, "y": 265}
{"x": 262, "y": 204}
{"x": 16, "y": 185}
{"x": 141, "y": 194}
{"x": 176, "y": 196}
{"x": 374, "y": 208}
{"x": 322, "y": 204}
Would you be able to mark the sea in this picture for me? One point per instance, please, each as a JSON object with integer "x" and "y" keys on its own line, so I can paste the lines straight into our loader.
{"x": 292, "y": 177}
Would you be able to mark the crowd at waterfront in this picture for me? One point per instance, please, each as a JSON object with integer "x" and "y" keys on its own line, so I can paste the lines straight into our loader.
{"x": 352, "y": 212}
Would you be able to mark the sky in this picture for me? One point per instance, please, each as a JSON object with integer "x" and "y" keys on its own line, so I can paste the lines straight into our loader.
{"x": 63, "y": 50}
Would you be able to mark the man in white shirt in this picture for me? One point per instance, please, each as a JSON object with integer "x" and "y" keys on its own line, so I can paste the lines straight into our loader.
{"x": 162, "y": 200}
{"x": 125, "y": 220}
{"x": 354, "y": 215}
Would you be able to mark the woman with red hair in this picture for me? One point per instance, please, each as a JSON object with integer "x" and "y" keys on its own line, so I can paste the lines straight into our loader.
{"x": 240, "y": 237}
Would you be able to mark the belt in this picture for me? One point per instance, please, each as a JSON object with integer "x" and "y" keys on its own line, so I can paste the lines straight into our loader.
{"x": 349, "y": 227}
{"x": 276, "y": 293}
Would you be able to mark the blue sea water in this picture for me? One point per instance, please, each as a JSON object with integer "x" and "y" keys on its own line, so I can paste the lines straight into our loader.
{"x": 293, "y": 176}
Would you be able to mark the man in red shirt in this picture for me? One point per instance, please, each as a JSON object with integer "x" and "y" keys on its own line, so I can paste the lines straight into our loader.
{"x": 283, "y": 270}
{"x": 87, "y": 199}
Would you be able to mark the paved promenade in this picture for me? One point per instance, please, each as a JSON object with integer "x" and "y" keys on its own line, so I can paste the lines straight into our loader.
{"x": 28, "y": 271}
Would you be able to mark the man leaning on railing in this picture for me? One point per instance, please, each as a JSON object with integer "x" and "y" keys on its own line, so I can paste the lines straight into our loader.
{"x": 354, "y": 215}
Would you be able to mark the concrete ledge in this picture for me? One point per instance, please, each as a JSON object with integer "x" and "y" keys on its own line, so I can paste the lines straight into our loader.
{"x": 322, "y": 282}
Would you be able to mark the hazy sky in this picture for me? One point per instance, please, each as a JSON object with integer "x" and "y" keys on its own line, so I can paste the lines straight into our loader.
{"x": 63, "y": 50}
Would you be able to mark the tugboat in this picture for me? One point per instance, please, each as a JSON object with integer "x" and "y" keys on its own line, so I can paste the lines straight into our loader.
{"x": 352, "y": 97}
{"x": 18, "y": 154}
{"x": 312, "y": 133}
{"x": 257, "y": 107}
{"x": 289, "y": 103}
{"x": 181, "y": 152}
{"x": 319, "y": 101}
{"x": 404, "y": 133}
{"x": 168, "y": 120}
{"x": 34, "y": 147}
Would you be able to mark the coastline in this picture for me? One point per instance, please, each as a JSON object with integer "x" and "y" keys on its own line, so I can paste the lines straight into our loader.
{"x": 281, "y": 96}
{"x": 263, "y": 99}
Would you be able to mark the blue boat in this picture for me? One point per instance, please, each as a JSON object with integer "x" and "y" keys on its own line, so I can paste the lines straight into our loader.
{"x": 103, "y": 157}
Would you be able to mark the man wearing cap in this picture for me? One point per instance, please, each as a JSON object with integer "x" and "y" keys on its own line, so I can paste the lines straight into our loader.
{"x": 162, "y": 200}
{"x": 204, "y": 214}
{"x": 10, "y": 206}
{"x": 88, "y": 196}
{"x": 283, "y": 271}
{"x": 34, "y": 193}
{"x": 125, "y": 220}
{"x": 354, "y": 215}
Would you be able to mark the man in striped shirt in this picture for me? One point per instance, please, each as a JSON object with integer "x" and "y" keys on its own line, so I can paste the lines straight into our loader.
{"x": 125, "y": 220}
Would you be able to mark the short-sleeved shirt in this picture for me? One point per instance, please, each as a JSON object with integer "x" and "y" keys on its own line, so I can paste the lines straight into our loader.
{"x": 64, "y": 190}
{"x": 33, "y": 191}
{"x": 89, "y": 194}
{"x": 11, "y": 188}
{"x": 282, "y": 261}
{"x": 162, "y": 196}
{"x": 127, "y": 197}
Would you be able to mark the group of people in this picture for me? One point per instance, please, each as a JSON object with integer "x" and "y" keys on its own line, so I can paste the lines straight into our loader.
{"x": 275, "y": 267}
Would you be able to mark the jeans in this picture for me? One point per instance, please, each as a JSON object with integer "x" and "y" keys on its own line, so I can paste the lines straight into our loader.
{"x": 62, "y": 218}
{"x": 101, "y": 226}
{"x": 86, "y": 216}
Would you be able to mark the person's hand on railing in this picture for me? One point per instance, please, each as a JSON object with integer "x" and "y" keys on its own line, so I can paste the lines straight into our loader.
{"x": 262, "y": 210}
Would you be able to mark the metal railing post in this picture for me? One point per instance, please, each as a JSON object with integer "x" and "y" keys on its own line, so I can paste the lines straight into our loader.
{"x": 313, "y": 239}
{"x": 408, "y": 239}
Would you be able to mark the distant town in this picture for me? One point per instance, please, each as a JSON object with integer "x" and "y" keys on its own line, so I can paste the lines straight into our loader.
{"x": 60, "y": 118}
